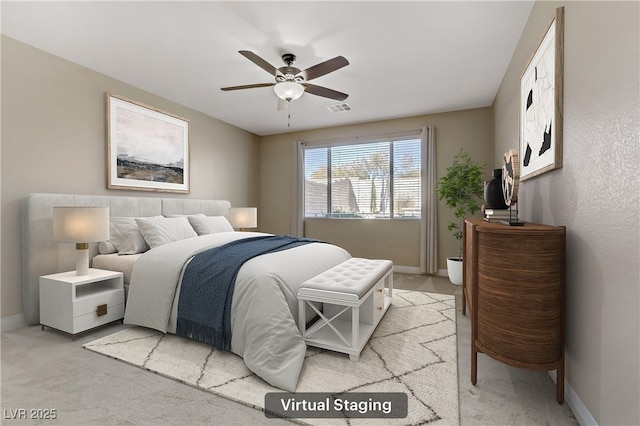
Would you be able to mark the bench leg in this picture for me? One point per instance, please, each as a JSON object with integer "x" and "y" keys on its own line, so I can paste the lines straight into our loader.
{"x": 302, "y": 321}
{"x": 355, "y": 327}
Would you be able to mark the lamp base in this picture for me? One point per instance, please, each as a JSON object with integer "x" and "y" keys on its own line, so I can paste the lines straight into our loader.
{"x": 82, "y": 259}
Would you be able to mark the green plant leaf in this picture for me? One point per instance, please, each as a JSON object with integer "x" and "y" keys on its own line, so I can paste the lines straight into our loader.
{"x": 462, "y": 189}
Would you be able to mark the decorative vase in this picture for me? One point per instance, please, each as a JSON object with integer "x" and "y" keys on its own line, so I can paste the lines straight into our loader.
{"x": 454, "y": 270}
{"x": 493, "y": 196}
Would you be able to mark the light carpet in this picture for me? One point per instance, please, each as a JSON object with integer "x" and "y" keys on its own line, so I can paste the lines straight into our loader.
{"x": 413, "y": 350}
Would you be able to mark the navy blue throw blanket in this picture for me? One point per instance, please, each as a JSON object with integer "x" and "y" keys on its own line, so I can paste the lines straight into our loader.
{"x": 204, "y": 307}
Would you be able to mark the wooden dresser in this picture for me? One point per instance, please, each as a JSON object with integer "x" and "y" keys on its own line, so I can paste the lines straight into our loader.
{"x": 514, "y": 289}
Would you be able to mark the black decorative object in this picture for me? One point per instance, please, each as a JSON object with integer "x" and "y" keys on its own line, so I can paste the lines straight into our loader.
{"x": 493, "y": 195}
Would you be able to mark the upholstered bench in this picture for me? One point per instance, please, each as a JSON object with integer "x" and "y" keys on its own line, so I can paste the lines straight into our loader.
{"x": 354, "y": 295}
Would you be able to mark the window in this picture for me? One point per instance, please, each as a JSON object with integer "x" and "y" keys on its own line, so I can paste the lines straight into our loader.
{"x": 363, "y": 180}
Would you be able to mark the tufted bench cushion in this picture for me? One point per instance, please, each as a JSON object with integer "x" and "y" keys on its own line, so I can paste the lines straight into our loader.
{"x": 353, "y": 278}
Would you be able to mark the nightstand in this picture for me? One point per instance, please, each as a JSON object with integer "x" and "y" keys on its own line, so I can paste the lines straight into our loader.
{"x": 76, "y": 303}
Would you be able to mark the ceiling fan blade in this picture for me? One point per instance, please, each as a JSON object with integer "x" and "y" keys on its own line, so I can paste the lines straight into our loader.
{"x": 324, "y": 92}
{"x": 247, "y": 86}
{"x": 259, "y": 62}
{"x": 325, "y": 67}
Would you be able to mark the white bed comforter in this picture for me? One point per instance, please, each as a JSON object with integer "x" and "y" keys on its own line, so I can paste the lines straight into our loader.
{"x": 264, "y": 305}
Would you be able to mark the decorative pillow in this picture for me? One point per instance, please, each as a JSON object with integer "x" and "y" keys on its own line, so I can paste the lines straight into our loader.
{"x": 210, "y": 224}
{"x": 161, "y": 230}
{"x": 125, "y": 235}
{"x": 106, "y": 247}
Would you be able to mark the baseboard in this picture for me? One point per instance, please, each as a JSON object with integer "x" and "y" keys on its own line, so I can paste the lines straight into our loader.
{"x": 416, "y": 270}
{"x": 13, "y": 322}
{"x": 574, "y": 402}
{"x": 406, "y": 269}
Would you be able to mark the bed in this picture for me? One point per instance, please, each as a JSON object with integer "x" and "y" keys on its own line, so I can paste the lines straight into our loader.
{"x": 42, "y": 256}
{"x": 264, "y": 305}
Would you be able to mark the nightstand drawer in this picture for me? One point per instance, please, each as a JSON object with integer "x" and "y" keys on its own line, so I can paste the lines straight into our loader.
{"x": 89, "y": 304}
{"x": 91, "y": 319}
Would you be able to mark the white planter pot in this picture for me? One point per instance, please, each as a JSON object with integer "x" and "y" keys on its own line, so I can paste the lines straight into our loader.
{"x": 454, "y": 269}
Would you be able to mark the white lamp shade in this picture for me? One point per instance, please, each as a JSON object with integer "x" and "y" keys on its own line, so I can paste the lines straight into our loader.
{"x": 288, "y": 90}
{"x": 243, "y": 217}
{"x": 80, "y": 224}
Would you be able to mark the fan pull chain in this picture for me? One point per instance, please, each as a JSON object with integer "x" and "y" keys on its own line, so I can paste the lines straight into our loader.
{"x": 288, "y": 114}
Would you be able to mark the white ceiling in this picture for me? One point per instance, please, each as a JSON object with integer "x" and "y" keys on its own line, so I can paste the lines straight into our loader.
{"x": 406, "y": 58}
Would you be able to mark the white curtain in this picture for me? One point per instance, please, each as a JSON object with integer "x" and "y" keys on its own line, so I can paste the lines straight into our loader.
{"x": 297, "y": 219}
{"x": 429, "y": 221}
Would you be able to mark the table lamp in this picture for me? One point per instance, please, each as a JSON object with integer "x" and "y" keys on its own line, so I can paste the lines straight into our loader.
{"x": 81, "y": 225}
{"x": 243, "y": 217}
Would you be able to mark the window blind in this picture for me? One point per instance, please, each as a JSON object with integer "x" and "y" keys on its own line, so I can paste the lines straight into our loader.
{"x": 380, "y": 180}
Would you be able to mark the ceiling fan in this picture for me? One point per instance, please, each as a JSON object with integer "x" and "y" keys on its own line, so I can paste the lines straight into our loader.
{"x": 290, "y": 82}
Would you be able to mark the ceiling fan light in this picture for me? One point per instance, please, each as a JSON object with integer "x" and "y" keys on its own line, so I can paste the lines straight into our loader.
{"x": 288, "y": 90}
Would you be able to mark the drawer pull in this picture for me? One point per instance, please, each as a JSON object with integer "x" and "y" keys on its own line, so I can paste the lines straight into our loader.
{"x": 101, "y": 310}
{"x": 381, "y": 290}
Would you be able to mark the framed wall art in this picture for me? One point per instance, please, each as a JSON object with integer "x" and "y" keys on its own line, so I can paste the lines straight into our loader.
{"x": 541, "y": 87}
{"x": 147, "y": 149}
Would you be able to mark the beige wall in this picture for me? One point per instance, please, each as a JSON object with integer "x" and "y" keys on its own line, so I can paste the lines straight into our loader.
{"x": 470, "y": 129}
{"x": 595, "y": 195}
{"x": 397, "y": 240}
{"x": 53, "y": 140}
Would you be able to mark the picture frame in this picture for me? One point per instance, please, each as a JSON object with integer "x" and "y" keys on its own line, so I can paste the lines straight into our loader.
{"x": 147, "y": 148}
{"x": 541, "y": 103}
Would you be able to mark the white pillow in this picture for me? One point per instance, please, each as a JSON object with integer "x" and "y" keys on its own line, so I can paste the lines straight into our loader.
{"x": 106, "y": 247}
{"x": 125, "y": 235}
{"x": 161, "y": 230}
{"x": 210, "y": 224}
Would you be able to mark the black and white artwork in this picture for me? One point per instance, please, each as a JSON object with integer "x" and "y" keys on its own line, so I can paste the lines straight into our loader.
{"x": 541, "y": 105}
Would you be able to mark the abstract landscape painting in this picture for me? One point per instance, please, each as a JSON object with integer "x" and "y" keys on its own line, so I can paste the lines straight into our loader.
{"x": 148, "y": 149}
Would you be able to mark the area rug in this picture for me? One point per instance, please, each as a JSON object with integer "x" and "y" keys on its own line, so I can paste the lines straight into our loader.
{"x": 412, "y": 351}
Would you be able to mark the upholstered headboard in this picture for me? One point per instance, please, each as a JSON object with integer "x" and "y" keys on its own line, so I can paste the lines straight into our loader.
{"x": 42, "y": 256}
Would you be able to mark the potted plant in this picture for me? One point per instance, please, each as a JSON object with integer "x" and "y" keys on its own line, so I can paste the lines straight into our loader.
{"x": 461, "y": 187}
